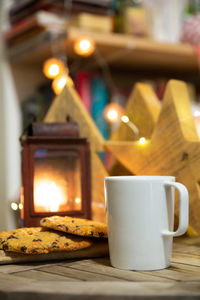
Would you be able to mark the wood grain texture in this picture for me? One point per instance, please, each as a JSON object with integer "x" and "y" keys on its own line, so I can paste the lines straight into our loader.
{"x": 96, "y": 279}
{"x": 69, "y": 103}
{"x": 174, "y": 148}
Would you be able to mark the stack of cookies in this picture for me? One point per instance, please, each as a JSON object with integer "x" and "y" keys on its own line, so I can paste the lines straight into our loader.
{"x": 57, "y": 238}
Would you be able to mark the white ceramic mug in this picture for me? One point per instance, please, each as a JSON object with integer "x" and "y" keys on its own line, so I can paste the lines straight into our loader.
{"x": 140, "y": 215}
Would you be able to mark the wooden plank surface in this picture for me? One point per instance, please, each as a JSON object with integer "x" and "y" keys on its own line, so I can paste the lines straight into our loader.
{"x": 96, "y": 279}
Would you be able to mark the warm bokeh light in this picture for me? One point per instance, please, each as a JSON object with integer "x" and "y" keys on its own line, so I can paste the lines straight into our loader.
{"x": 14, "y": 206}
{"x": 48, "y": 196}
{"x": 20, "y": 206}
{"x": 53, "y": 67}
{"x": 125, "y": 119}
{"x": 142, "y": 141}
{"x": 196, "y": 113}
{"x": 59, "y": 83}
{"x": 84, "y": 46}
{"x": 113, "y": 112}
{"x": 131, "y": 125}
{"x": 77, "y": 200}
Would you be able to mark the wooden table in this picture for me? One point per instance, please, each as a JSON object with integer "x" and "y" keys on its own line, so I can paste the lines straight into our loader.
{"x": 96, "y": 279}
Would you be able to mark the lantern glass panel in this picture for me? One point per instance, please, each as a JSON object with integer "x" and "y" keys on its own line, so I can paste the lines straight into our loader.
{"x": 57, "y": 180}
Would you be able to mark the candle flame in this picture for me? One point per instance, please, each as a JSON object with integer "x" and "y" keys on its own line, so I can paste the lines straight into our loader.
{"x": 48, "y": 196}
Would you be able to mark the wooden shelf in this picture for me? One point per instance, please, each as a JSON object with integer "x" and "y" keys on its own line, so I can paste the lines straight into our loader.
{"x": 115, "y": 49}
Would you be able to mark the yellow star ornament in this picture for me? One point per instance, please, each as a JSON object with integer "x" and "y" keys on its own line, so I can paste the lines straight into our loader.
{"x": 174, "y": 148}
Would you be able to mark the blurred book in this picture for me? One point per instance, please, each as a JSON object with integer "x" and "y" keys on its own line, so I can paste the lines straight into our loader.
{"x": 23, "y": 46}
{"x": 83, "y": 86}
{"x": 93, "y": 22}
{"x": 32, "y": 26}
{"x": 99, "y": 102}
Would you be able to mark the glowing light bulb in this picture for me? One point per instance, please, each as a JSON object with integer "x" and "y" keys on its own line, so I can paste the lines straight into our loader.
{"x": 142, "y": 141}
{"x": 112, "y": 115}
{"x": 125, "y": 119}
{"x": 113, "y": 112}
{"x": 84, "y": 46}
{"x": 78, "y": 200}
{"x": 59, "y": 83}
{"x": 14, "y": 205}
{"x": 196, "y": 114}
{"x": 20, "y": 206}
{"x": 52, "y": 68}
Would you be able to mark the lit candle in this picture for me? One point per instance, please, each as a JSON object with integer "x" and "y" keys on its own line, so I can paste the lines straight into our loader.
{"x": 48, "y": 196}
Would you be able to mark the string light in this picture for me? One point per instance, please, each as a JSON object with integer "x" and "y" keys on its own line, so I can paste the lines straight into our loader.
{"x": 143, "y": 141}
{"x": 14, "y": 205}
{"x": 113, "y": 112}
{"x": 84, "y": 46}
{"x": 52, "y": 68}
{"x": 196, "y": 113}
{"x": 59, "y": 83}
{"x": 125, "y": 119}
{"x": 20, "y": 206}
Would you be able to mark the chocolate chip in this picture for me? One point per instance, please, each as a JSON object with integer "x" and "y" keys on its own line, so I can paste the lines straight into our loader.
{"x": 44, "y": 221}
{"x": 12, "y": 237}
{"x": 23, "y": 248}
{"x": 77, "y": 228}
{"x": 37, "y": 240}
{"x": 66, "y": 228}
{"x": 101, "y": 234}
{"x": 5, "y": 247}
{"x": 61, "y": 234}
{"x": 66, "y": 244}
{"x": 34, "y": 251}
{"x": 72, "y": 221}
{"x": 54, "y": 245}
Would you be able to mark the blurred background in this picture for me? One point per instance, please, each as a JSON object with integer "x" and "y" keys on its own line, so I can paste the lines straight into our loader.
{"x": 102, "y": 48}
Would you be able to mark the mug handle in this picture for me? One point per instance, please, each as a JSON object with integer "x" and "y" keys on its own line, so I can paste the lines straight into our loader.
{"x": 184, "y": 209}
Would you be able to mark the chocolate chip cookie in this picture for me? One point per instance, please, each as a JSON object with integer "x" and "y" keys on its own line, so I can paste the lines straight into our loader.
{"x": 37, "y": 240}
{"x": 76, "y": 226}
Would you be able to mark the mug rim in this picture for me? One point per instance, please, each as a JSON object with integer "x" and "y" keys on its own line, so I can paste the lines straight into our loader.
{"x": 140, "y": 177}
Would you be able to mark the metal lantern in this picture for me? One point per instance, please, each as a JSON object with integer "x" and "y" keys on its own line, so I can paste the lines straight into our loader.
{"x": 55, "y": 172}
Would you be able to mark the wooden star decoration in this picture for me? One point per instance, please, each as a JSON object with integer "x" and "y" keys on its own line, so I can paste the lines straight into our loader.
{"x": 143, "y": 108}
{"x": 68, "y": 103}
{"x": 174, "y": 148}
